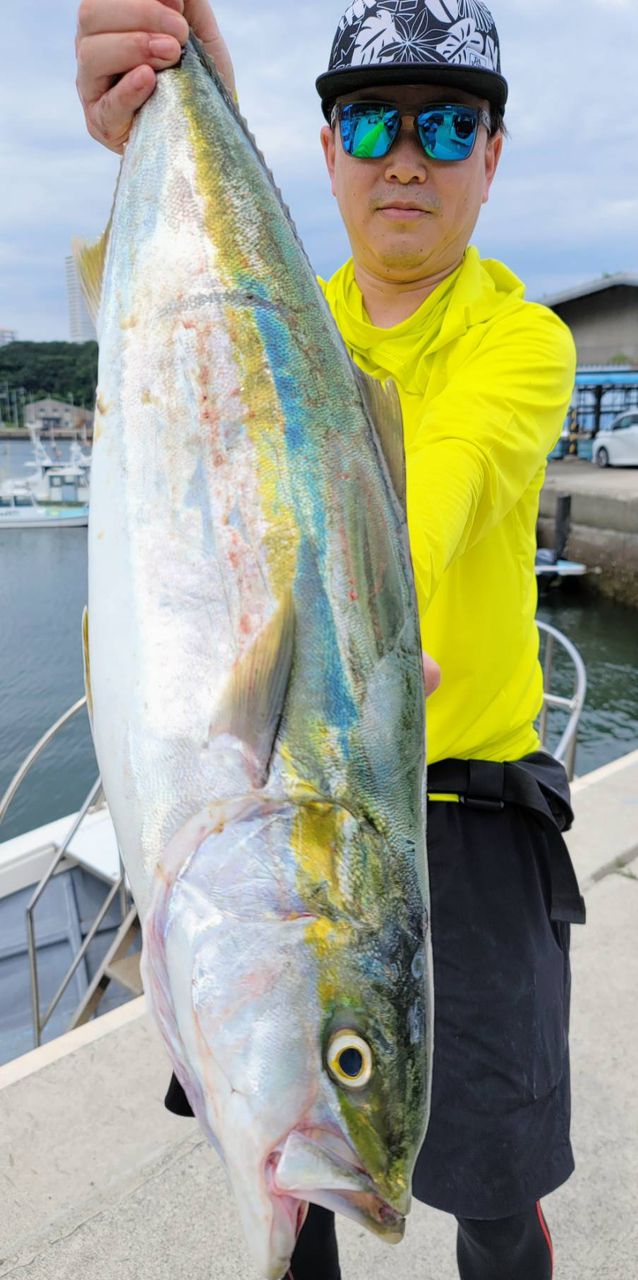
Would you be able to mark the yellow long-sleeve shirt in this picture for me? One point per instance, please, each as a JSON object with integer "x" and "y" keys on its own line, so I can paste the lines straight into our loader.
{"x": 485, "y": 379}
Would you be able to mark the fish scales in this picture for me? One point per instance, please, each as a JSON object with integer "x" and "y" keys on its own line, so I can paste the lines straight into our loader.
{"x": 256, "y": 681}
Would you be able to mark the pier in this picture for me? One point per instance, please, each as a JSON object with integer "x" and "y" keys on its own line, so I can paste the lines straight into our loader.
{"x": 100, "y": 1182}
{"x": 604, "y": 530}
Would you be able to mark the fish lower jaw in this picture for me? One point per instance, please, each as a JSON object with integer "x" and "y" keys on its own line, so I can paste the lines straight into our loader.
{"x": 367, "y": 1209}
{"x": 307, "y": 1171}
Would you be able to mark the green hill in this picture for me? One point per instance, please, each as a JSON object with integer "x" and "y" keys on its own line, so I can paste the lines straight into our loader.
{"x": 59, "y": 369}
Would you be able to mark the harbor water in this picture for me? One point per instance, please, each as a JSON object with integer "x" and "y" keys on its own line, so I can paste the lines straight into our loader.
{"x": 43, "y": 576}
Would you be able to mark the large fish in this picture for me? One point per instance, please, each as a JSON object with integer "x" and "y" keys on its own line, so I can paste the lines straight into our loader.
{"x": 255, "y": 680}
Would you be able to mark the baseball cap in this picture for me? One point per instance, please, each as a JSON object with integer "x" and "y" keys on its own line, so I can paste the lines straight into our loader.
{"x": 453, "y": 43}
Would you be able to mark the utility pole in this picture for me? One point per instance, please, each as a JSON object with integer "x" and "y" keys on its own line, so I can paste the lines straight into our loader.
{"x": 4, "y": 395}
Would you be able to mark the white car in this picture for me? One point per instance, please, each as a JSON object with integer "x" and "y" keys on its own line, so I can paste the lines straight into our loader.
{"x": 617, "y": 444}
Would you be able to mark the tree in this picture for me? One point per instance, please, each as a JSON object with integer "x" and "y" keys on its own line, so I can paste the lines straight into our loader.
{"x": 51, "y": 369}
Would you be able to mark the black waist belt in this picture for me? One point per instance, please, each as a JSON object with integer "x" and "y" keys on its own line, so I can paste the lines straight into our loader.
{"x": 485, "y": 785}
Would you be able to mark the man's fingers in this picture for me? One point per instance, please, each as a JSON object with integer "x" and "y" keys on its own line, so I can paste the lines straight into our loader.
{"x": 120, "y": 45}
{"x": 101, "y": 58}
{"x": 110, "y": 118}
{"x": 206, "y": 27}
{"x": 161, "y": 16}
{"x": 432, "y": 675}
{"x": 203, "y": 21}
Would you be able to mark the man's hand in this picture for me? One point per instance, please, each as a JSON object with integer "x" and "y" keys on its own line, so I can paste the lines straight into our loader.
{"x": 120, "y": 47}
{"x": 432, "y": 673}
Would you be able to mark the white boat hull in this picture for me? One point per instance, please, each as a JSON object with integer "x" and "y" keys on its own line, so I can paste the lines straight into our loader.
{"x": 43, "y": 518}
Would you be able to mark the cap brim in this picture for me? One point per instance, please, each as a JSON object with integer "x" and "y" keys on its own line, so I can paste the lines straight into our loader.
{"x": 483, "y": 84}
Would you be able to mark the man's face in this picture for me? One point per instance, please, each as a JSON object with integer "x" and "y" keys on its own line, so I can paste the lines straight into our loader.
{"x": 409, "y": 217}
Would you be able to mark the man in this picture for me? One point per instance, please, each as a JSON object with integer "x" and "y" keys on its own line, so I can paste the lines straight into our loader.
{"x": 414, "y": 102}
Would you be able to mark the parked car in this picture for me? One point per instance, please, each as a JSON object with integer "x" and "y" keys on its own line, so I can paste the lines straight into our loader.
{"x": 616, "y": 444}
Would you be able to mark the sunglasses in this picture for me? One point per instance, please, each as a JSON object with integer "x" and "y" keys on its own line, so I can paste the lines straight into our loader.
{"x": 446, "y": 131}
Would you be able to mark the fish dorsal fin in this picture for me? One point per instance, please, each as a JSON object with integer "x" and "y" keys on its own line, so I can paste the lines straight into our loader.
{"x": 90, "y": 260}
{"x": 253, "y": 702}
{"x": 381, "y": 399}
{"x": 87, "y": 664}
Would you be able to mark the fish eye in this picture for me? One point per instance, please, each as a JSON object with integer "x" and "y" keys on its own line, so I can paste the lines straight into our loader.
{"x": 350, "y": 1059}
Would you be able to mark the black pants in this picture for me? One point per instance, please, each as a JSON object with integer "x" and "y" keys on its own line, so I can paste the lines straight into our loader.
{"x": 516, "y": 1248}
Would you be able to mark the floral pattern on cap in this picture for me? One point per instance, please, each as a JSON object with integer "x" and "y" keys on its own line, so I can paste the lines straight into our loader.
{"x": 442, "y": 32}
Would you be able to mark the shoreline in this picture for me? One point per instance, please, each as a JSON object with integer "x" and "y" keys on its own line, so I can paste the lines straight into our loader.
{"x": 64, "y": 433}
{"x": 604, "y": 524}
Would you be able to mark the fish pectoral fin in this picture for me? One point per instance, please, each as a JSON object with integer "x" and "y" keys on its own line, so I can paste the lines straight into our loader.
{"x": 89, "y": 260}
{"x": 381, "y": 400}
{"x": 254, "y": 699}
{"x": 87, "y": 664}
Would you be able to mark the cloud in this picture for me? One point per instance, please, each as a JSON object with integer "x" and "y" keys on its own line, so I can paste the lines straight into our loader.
{"x": 564, "y": 207}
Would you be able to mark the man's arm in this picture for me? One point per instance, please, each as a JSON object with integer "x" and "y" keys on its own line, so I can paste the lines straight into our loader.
{"x": 484, "y": 438}
{"x": 120, "y": 47}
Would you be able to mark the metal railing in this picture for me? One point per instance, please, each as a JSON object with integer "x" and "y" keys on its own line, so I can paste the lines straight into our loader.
{"x": 565, "y": 751}
{"x": 61, "y": 854}
{"x": 28, "y": 763}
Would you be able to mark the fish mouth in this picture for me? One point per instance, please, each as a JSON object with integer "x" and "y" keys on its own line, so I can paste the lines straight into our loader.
{"x": 320, "y": 1167}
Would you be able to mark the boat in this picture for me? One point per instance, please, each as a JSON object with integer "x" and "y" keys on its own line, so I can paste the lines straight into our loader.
{"x": 50, "y": 481}
{"x": 22, "y": 511}
{"x": 550, "y": 571}
{"x": 551, "y": 566}
{"x": 69, "y": 933}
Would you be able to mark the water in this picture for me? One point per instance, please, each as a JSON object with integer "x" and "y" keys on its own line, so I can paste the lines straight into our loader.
{"x": 607, "y": 636}
{"x": 43, "y": 591}
{"x": 43, "y": 588}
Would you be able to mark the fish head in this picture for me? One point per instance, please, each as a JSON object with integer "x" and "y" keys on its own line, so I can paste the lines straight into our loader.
{"x": 294, "y": 1015}
{"x": 373, "y": 984}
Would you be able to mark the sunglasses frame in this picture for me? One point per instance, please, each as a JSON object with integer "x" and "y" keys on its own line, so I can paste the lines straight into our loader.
{"x": 482, "y": 118}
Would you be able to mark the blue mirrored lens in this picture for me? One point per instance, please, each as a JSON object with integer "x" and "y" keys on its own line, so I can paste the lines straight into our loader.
{"x": 448, "y": 133}
{"x": 368, "y": 132}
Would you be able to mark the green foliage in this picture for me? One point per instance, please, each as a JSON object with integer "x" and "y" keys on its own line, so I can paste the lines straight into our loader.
{"x": 56, "y": 369}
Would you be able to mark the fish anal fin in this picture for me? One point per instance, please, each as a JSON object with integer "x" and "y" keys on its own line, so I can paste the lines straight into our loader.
{"x": 87, "y": 664}
{"x": 254, "y": 699}
{"x": 381, "y": 399}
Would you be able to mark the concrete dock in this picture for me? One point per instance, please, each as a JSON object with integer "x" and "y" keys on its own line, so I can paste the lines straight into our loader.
{"x": 604, "y": 533}
{"x": 98, "y": 1182}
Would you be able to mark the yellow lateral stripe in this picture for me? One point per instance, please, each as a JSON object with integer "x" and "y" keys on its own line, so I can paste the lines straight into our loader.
{"x": 263, "y": 417}
{"x": 450, "y": 799}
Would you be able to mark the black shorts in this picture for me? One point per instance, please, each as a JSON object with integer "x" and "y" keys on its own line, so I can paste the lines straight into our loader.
{"x": 498, "y": 1138}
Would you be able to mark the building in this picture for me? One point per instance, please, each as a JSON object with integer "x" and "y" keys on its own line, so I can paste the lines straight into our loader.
{"x": 52, "y": 416}
{"x": 603, "y": 317}
{"x": 601, "y": 394}
{"x": 81, "y": 326}
{"x": 7, "y": 336}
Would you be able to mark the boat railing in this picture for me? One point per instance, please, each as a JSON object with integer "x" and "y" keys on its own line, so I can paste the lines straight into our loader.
{"x": 565, "y": 750}
{"x": 61, "y": 855}
{"x": 34, "y": 754}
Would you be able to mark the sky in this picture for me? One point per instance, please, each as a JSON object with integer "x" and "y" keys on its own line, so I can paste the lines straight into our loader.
{"x": 564, "y": 208}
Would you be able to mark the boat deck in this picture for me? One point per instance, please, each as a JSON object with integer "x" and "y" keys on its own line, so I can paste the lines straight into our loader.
{"x": 98, "y": 1182}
